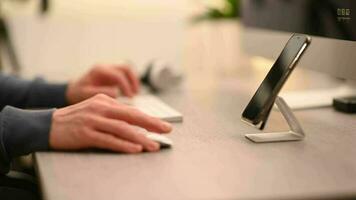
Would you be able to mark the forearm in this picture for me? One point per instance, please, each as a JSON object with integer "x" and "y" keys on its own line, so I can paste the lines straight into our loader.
{"x": 31, "y": 94}
{"x": 22, "y": 132}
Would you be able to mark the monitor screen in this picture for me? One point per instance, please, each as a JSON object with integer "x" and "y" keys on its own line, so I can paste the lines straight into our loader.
{"x": 326, "y": 18}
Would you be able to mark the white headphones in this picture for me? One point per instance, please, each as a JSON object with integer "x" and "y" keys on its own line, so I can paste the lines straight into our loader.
{"x": 160, "y": 75}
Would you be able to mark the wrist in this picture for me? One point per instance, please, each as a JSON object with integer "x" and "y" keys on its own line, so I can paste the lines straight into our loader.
{"x": 52, "y": 137}
{"x": 70, "y": 94}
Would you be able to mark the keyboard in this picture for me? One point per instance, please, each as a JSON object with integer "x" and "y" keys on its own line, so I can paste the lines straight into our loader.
{"x": 314, "y": 98}
{"x": 153, "y": 106}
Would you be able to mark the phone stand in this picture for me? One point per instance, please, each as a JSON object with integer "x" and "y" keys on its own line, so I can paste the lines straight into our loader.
{"x": 295, "y": 133}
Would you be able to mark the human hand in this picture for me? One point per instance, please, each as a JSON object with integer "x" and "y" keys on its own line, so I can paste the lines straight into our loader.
{"x": 105, "y": 79}
{"x": 102, "y": 122}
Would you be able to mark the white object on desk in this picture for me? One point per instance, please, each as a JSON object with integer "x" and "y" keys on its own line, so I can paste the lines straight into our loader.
{"x": 294, "y": 134}
{"x": 305, "y": 99}
{"x": 163, "y": 141}
{"x": 160, "y": 75}
{"x": 153, "y": 106}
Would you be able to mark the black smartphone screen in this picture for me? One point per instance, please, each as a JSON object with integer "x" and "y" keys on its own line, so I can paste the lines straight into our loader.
{"x": 273, "y": 82}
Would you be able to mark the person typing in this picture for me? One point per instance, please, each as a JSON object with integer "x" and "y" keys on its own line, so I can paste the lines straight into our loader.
{"x": 83, "y": 114}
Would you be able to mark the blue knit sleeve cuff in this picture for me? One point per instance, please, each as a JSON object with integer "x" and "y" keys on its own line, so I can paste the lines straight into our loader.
{"x": 43, "y": 94}
{"x": 23, "y": 132}
{"x": 4, "y": 158}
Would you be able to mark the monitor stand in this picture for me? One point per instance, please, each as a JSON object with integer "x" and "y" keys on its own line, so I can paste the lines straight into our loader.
{"x": 294, "y": 134}
{"x": 314, "y": 98}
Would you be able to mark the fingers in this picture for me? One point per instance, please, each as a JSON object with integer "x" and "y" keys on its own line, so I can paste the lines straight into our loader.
{"x": 111, "y": 108}
{"x": 120, "y": 76}
{"x": 138, "y": 118}
{"x": 124, "y": 85}
{"x": 133, "y": 79}
{"x": 102, "y": 122}
{"x": 110, "y": 142}
{"x": 127, "y": 132}
{"x": 107, "y": 90}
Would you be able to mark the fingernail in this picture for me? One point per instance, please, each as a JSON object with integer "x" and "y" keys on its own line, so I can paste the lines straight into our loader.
{"x": 153, "y": 146}
{"x": 138, "y": 148}
{"x": 167, "y": 126}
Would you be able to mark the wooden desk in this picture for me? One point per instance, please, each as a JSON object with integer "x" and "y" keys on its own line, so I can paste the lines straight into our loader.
{"x": 211, "y": 159}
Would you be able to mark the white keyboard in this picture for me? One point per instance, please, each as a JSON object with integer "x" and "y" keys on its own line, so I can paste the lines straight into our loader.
{"x": 153, "y": 106}
{"x": 315, "y": 98}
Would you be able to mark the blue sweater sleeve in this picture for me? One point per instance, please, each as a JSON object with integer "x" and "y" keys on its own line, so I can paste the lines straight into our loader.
{"x": 31, "y": 94}
{"x": 22, "y": 132}
{"x": 26, "y": 131}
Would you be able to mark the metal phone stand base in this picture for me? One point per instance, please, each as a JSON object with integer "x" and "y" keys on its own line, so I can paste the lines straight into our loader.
{"x": 296, "y": 132}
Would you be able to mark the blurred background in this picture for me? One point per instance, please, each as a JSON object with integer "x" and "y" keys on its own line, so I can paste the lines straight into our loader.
{"x": 60, "y": 39}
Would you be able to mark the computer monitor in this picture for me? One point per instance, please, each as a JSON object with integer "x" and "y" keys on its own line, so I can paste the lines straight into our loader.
{"x": 331, "y": 23}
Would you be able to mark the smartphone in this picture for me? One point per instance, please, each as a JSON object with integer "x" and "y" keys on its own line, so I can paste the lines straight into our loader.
{"x": 262, "y": 101}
